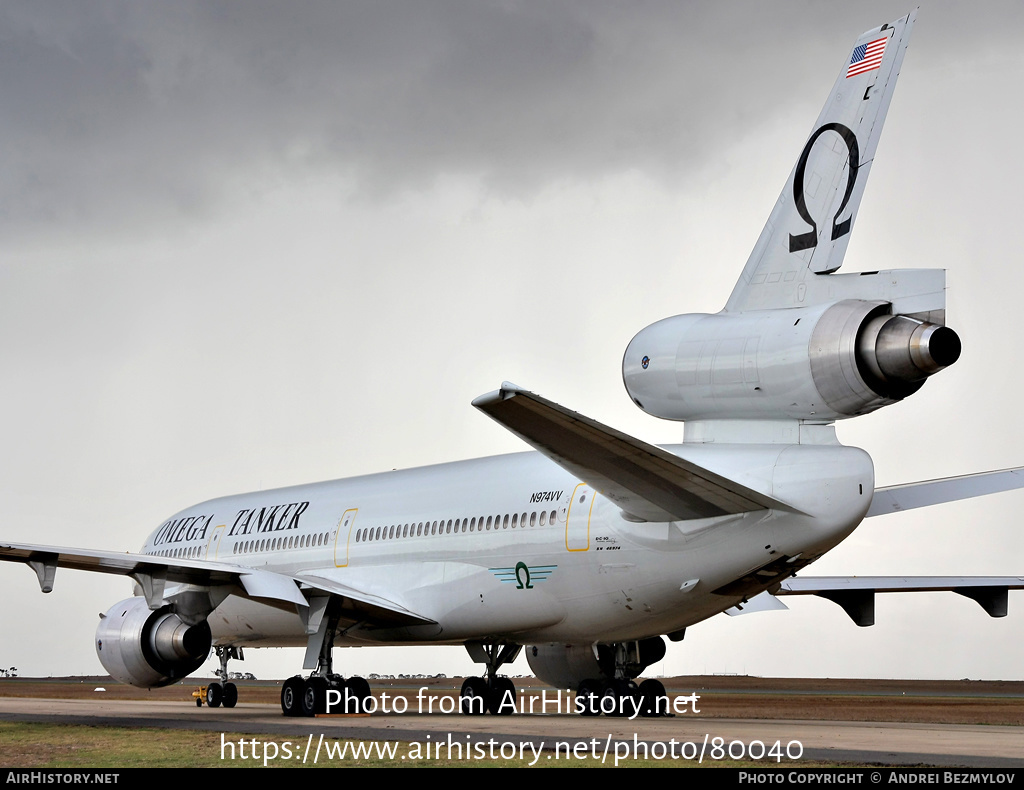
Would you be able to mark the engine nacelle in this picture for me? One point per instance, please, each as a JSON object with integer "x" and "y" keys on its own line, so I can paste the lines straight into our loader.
{"x": 566, "y": 666}
{"x": 822, "y": 362}
{"x": 149, "y": 649}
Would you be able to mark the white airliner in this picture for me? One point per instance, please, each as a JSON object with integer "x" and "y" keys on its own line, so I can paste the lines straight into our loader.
{"x": 590, "y": 550}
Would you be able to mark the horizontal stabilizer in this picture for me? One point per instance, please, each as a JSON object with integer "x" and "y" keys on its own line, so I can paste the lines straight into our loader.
{"x": 648, "y": 483}
{"x": 893, "y": 499}
{"x": 856, "y": 594}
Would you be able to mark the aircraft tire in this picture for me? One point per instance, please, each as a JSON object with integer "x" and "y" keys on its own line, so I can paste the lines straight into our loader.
{"x": 501, "y": 704}
{"x": 360, "y": 690}
{"x": 473, "y": 697}
{"x": 291, "y": 696}
{"x": 609, "y": 700}
{"x": 631, "y": 690}
{"x": 650, "y": 692}
{"x": 230, "y": 695}
{"x": 214, "y": 695}
{"x": 590, "y": 692}
{"x": 314, "y": 696}
{"x": 619, "y": 691}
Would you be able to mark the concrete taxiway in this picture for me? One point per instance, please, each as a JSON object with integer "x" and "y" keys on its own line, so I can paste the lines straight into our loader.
{"x": 856, "y": 742}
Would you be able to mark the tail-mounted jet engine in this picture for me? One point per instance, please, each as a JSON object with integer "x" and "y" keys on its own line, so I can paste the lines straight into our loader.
{"x": 822, "y": 362}
{"x": 148, "y": 648}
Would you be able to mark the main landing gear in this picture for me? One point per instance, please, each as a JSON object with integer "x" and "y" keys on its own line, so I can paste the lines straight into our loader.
{"x": 492, "y": 693}
{"x": 619, "y": 695}
{"x": 311, "y": 696}
{"x": 225, "y": 692}
{"x": 323, "y": 691}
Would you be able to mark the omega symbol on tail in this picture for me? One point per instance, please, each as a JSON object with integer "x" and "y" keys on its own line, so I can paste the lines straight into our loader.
{"x": 810, "y": 239}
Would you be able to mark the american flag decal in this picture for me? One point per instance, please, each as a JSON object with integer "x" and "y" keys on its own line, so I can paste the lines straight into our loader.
{"x": 866, "y": 57}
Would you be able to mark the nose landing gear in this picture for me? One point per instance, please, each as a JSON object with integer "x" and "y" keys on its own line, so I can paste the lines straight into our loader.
{"x": 224, "y": 692}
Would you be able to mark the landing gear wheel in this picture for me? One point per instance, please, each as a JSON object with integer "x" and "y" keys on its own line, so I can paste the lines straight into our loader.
{"x": 617, "y": 698}
{"x": 358, "y": 694}
{"x": 653, "y": 699}
{"x": 588, "y": 696}
{"x": 631, "y": 692}
{"x": 214, "y": 695}
{"x": 503, "y": 697}
{"x": 230, "y": 695}
{"x": 473, "y": 697}
{"x": 291, "y": 696}
{"x": 609, "y": 702}
{"x": 314, "y": 696}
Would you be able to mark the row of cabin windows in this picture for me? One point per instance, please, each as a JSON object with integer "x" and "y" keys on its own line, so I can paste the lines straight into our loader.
{"x": 186, "y": 552}
{"x": 252, "y": 546}
{"x": 275, "y": 544}
{"x": 458, "y": 525}
{"x": 386, "y": 533}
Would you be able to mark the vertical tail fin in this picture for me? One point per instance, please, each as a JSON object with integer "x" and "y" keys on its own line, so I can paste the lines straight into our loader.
{"x": 809, "y": 228}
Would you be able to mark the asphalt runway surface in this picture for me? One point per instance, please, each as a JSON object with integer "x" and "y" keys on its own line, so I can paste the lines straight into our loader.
{"x": 894, "y": 744}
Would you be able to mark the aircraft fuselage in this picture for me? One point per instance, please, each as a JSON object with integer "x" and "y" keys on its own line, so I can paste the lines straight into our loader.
{"x": 513, "y": 547}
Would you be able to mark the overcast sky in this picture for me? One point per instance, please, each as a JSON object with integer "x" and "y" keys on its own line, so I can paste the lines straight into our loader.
{"x": 253, "y": 245}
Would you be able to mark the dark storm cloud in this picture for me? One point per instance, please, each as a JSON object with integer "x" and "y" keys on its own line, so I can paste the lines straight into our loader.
{"x": 118, "y": 112}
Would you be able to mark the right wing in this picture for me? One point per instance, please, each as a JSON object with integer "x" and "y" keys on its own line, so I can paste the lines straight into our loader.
{"x": 651, "y": 484}
{"x": 648, "y": 483}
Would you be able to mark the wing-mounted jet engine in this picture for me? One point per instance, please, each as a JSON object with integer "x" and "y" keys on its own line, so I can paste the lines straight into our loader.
{"x": 147, "y": 648}
{"x": 161, "y": 635}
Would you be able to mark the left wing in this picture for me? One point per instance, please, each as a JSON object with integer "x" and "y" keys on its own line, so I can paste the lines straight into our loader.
{"x": 153, "y": 574}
